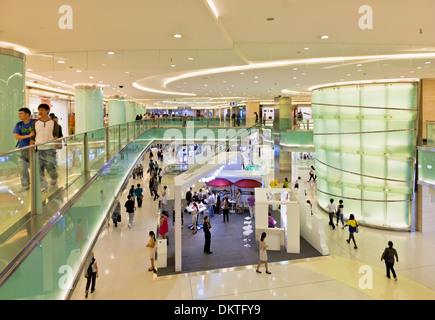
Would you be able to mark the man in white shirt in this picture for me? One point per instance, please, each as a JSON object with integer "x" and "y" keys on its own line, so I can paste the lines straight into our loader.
{"x": 211, "y": 203}
{"x": 331, "y": 210}
{"x": 45, "y": 130}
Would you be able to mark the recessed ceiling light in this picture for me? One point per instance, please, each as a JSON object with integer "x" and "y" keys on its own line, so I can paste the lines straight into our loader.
{"x": 63, "y": 81}
{"x": 190, "y": 59}
{"x": 60, "y": 61}
{"x": 427, "y": 62}
{"x": 359, "y": 70}
{"x": 295, "y": 69}
{"x": 359, "y": 65}
{"x": 242, "y": 73}
{"x": 111, "y": 52}
{"x": 91, "y": 77}
{"x": 127, "y": 72}
{"x": 419, "y": 67}
{"x": 78, "y": 70}
{"x": 173, "y": 65}
{"x": 307, "y": 49}
{"x": 177, "y": 35}
{"x": 104, "y": 65}
{"x": 324, "y": 37}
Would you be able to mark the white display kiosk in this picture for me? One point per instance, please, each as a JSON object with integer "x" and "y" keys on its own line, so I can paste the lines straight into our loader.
{"x": 288, "y": 235}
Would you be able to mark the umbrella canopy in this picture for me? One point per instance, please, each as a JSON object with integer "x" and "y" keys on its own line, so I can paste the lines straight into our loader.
{"x": 218, "y": 182}
{"x": 248, "y": 183}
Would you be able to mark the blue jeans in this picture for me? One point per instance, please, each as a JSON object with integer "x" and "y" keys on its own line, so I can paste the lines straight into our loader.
{"x": 340, "y": 216}
{"x": 24, "y": 165}
{"x": 211, "y": 210}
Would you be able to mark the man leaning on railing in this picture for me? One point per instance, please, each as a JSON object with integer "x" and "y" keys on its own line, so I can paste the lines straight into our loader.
{"x": 45, "y": 130}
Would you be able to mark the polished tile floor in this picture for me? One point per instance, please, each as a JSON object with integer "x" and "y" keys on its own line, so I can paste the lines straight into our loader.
{"x": 346, "y": 274}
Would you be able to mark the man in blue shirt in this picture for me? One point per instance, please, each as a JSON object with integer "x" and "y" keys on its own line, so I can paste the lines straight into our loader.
{"x": 23, "y": 133}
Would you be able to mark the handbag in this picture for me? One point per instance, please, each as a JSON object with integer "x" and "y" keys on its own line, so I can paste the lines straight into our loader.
{"x": 356, "y": 227}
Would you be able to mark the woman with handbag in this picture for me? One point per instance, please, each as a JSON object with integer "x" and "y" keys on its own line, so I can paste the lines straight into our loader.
{"x": 353, "y": 227}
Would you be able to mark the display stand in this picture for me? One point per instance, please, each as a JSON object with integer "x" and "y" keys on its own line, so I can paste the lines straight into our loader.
{"x": 289, "y": 233}
{"x": 162, "y": 253}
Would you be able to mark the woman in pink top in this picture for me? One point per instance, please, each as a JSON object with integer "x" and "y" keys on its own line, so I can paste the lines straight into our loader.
{"x": 163, "y": 230}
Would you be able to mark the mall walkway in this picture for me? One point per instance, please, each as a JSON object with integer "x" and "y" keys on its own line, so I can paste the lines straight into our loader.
{"x": 123, "y": 267}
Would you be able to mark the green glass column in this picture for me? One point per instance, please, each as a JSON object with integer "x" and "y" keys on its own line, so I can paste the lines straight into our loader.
{"x": 365, "y": 143}
{"x": 116, "y": 107}
{"x": 130, "y": 111}
{"x": 12, "y": 94}
{"x": 89, "y": 107}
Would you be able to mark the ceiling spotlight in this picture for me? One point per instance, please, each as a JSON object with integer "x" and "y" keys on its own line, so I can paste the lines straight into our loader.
{"x": 324, "y": 37}
{"x": 60, "y": 61}
{"x": 173, "y": 65}
{"x": 190, "y": 59}
{"x": 111, "y": 52}
{"x": 306, "y": 49}
{"x": 78, "y": 70}
{"x": 177, "y": 35}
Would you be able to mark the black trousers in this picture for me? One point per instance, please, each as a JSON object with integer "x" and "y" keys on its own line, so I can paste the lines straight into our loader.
{"x": 207, "y": 242}
{"x": 93, "y": 278}
{"x": 225, "y": 213}
{"x": 331, "y": 219}
{"x": 390, "y": 267}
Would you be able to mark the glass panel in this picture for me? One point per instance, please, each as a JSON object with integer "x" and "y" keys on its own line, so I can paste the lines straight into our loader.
{"x": 97, "y": 149}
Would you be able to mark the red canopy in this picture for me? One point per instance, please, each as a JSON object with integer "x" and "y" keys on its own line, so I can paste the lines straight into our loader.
{"x": 248, "y": 183}
{"x": 218, "y": 182}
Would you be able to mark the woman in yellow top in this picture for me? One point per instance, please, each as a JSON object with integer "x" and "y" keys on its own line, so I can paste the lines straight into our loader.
{"x": 352, "y": 224}
{"x": 151, "y": 249}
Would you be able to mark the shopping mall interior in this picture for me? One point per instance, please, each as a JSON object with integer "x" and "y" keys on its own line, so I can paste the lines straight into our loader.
{"x": 217, "y": 150}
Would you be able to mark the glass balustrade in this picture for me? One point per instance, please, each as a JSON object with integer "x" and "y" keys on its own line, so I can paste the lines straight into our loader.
{"x": 38, "y": 182}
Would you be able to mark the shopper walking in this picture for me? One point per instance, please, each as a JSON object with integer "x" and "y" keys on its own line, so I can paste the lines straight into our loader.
{"x": 331, "y": 211}
{"x": 251, "y": 203}
{"x": 131, "y": 208}
{"x": 22, "y": 132}
{"x": 207, "y": 235}
{"x": 263, "y": 253}
{"x": 353, "y": 227}
{"x": 151, "y": 250}
{"x": 226, "y": 208}
{"x": 91, "y": 275}
{"x": 116, "y": 215}
{"x": 139, "y": 195}
{"x": 340, "y": 212}
{"x": 151, "y": 186}
{"x": 312, "y": 174}
{"x": 388, "y": 256}
{"x": 156, "y": 189}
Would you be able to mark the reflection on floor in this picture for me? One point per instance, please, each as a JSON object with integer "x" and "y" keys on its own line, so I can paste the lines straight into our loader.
{"x": 347, "y": 273}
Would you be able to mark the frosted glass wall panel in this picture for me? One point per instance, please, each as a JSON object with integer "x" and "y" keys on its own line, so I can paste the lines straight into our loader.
{"x": 365, "y": 147}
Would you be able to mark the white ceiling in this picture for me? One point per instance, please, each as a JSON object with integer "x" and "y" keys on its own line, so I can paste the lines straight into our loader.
{"x": 140, "y": 33}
